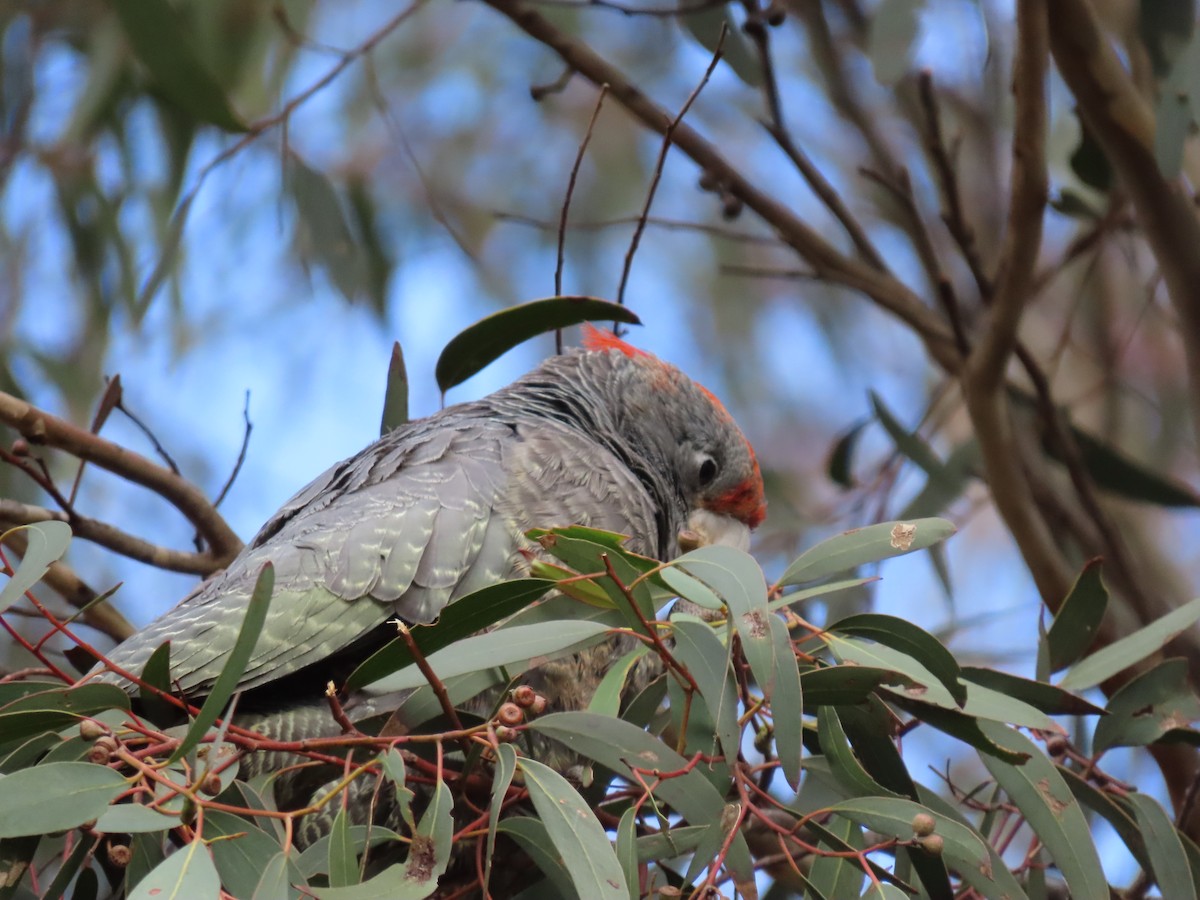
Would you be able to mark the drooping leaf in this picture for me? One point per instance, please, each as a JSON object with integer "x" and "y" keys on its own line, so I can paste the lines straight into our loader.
{"x": 843, "y": 763}
{"x": 616, "y": 744}
{"x": 323, "y": 231}
{"x": 466, "y": 616}
{"x": 1149, "y": 706}
{"x": 575, "y": 832}
{"x": 865, "y": 545}
{"x": 1046, "y": 697}
{"x": 533, "y": 838}
{"x": 737, "y": 581}
{"x": 47, "y": 542}
{"x": 894, "y": 30}
{"x": 707, "y": 659}
{"x": 57, "y": 709}
{"x": 491, "y": 337}
{"x": 506, "y": 767}
{"x": 55, "y": 796}
{"x": 1170, "y": 863}
{"x": 706, "y": 23}
{"x": 838, "y": 876}
{"x": 840, "y": 467}
{"x": 343, "y": 861}
{"x": 235, "y": 665}
{"x": 243, "y": 852}
{"x": 1051, "y": 810}
{"x": 1075, "y": 625}
{"x": 607, "y": 698}
{"x": 912, "y": 641}
{"x": 1121, "y": 654}
{"x": 787, "y": 706}
{"x": 925, "y": 688}
{"x": 188, "y": 872}
{"x": 157, "y": 674}
{"x": 627, "y": 850}
{"x": 159, "y": 38}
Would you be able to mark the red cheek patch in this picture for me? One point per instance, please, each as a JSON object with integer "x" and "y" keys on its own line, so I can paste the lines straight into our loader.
{"x": 601, "y": 339}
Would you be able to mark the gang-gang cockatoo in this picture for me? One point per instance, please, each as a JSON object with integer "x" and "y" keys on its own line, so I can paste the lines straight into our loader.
{"x": 608, "y": 437}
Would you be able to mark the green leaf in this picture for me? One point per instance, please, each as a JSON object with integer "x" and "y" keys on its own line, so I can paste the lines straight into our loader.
{"x": 1120, "y": 655}
{"x": 840, "y": 467}
{"x": 506, "y": 768}
{"x": 277, "y": 875}
{"x": 893, "y": 31}
{"x": 1051, "y": 810}
{"x": 1118, "y": 815}
{"x": 1170, "y": 862}
{"x": 187, "y": 874}
{"x": 607, "y": 699}
{"x": 737, "y": 581}
{"x": 1151, "y": 705}
{"x": 706, "y": 24}
{"x": 533, "y": 838}
{"x": 834, "y": 876}
{"x": 715, "y": 836}
{"x": 514, "y": 646}
{"x": 998, "y": 882}
{"x": 159, "y": 37}
{"x": 69, "y": 867}
{"x": 395, "y": 399}
{"x": 343, "y": 861}
{"x": 1078, "y": 619}
{"x": 242, "y": 854}
{"x": 911, "y": 641}
{"x": 429, "y": 852}
{"x": 575, "y": 832}
{"x": 55, "y": 796}
{"x": 462, "y": 618}
{"x": 627, "y": 850}
{"x": 844, "y": 765}
{"x": 707, "y": 659}
{"x": 615, "y": 744}
{"x": 787, "y": 707}
{"x": 927, "y": 689}
{"x": 322, "y": 229}
{"x": 964, "y": 850}
{"x": 1046, "y": 697}
{"x": 47, "y": 542}
{"x": 16, "y": 857}
{"x": 910, "y": 444}
{"x": 865, "y": 545}
{"x": 235, "y": 665}
{"x": 55, "y": 710}
{"x": 157, "y": 674}
{"x": 134, "y": 818}
{"x": 493, "y": 336}
{"x": 845, "y": 684}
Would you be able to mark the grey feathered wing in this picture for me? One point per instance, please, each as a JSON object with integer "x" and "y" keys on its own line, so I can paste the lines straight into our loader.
{"x": 402, "y": 529}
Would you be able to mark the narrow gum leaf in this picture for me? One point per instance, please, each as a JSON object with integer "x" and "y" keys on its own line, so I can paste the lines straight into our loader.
{"x": 490, "y": 338}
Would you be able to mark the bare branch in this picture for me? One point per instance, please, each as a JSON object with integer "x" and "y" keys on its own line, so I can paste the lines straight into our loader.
{"x": 112, "y": 538}
{"x": 825, "y": 259}
{"x": 1121, "y": 121}
{"x": 39, "y": 427}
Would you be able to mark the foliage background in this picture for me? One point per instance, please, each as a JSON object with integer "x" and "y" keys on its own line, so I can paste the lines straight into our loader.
{"x": 431, "y": 149}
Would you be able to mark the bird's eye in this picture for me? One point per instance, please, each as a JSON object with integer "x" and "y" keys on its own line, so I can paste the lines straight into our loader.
{"x": 708, "y": 471}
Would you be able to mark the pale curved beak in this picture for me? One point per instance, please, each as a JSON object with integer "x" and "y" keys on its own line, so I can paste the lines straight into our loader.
{"x": 706, "y": 527}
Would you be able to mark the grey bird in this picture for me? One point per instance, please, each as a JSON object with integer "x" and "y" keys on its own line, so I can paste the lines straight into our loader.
{"x": 608, "y": 437}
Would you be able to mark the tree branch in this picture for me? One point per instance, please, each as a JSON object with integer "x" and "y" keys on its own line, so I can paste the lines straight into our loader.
{"x": 1124, "y": 125}
{"x": 825, "y": 259}
{"x": 39, "y": 427}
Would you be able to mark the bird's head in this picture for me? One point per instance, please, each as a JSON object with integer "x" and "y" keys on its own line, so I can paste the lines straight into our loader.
{"x": 685, "y": 432}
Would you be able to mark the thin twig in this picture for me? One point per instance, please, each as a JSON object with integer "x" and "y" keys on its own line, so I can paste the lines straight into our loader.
{"x": 113, "y": 538}
{"x": 954, "y": 215}
{"x": 241, "y": 457}
{"x": 63, "y": 580}
{"x": 110, "y": 400}
{"x": 718, "y": 231}
{"x": 668, "y": 135}
{"x": 39, "y": 427}
{"x": 566, "y": 207}
{"x": 437, "y": 685}
{"x": 159, "y": 449}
